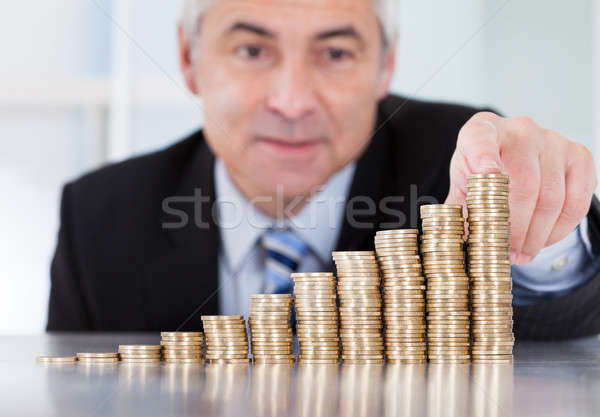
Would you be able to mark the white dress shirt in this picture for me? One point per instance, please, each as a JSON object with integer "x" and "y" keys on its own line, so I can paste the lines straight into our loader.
{"x": 555, "y": 271}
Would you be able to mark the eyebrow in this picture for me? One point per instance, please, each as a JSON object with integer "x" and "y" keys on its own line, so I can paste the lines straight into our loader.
{"x": 251, "y": 27}
{"x": 346, "y": 31}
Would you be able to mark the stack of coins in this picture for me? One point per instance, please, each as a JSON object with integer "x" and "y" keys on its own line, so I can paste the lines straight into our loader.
{"x": 489, "y": 268}
{"x": 360, "y": 307}
{"x": 447, "y": 283}
{"x": 316, "y": 317}
{"x": 99, "y": 358}
{"x": 140, "y": 353}
{"x": 270, "y": 328}
{"x": 403, "y": 296}
{"x": 226, "y": 339}
{"x": 182, "y": 347}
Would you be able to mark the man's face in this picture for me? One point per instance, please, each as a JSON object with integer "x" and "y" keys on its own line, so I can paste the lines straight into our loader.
{"x": 289, "y": 88}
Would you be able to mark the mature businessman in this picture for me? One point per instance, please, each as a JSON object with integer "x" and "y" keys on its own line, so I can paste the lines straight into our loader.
{"x": 298, "y": 114}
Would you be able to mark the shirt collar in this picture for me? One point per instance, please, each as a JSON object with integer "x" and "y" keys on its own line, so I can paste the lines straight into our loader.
{"x": 318, "y": 223}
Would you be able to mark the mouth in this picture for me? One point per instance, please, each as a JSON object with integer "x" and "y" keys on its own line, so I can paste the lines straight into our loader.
{"x": 290, "y": 147}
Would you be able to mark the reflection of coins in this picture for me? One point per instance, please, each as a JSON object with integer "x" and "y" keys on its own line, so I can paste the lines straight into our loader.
{"x": 489, "y": 268}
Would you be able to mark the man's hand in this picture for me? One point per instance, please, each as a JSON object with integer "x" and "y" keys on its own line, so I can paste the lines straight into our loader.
{"x": 552, "y": 179}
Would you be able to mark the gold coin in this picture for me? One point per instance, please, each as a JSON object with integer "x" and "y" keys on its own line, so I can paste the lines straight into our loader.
{"x": 98, "y": 355}
{"x": 229, "y": 361}
{"x": 318, "y": 361}
{"x": 140, "y": 356}
{"x": 274, "y": 361}
{"x": 56, "y": 359}
{"x": 184, "y": 360}
{"x": 222, "y": 318}
{"x": 181, "y": 334}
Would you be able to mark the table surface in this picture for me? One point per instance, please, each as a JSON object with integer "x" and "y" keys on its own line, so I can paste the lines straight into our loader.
{"x": 547, "y": 379}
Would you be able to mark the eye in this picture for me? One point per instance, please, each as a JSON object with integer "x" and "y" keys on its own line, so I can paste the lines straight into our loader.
{"x": 251, "y": 52}
{"x": 338, "y": 54}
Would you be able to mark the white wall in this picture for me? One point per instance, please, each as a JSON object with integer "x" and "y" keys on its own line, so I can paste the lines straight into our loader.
{"x": 534, "y": 57}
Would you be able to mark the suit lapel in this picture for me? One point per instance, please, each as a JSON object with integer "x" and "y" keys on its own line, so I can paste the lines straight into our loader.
{"x": 182, "y": 285}
{"x": 369, "y": 183}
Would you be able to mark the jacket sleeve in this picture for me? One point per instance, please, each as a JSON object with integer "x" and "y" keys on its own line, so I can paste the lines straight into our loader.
{"x": 574, "y": 315}
{"x": 67, "y": 309}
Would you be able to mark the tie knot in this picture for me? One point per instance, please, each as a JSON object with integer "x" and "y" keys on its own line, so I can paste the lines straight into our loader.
{"x": 285, "y": 243}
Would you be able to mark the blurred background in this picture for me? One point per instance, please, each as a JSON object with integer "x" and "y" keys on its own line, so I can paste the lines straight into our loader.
{"x": 87, "y": 82}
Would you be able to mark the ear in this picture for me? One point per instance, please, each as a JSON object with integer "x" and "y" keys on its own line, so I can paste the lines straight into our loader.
{"x": 185, "y": 61}
{"x": 387, "y": 72}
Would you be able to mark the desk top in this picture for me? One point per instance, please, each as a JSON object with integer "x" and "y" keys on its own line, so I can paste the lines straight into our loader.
{"x": 547, "y": 379}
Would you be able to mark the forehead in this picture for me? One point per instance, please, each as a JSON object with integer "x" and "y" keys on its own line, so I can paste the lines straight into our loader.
{"x": 297, "y": 15}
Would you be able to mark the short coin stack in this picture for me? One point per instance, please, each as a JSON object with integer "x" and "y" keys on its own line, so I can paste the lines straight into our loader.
{"x": 140, "y": 353}
{"x": 98, "y": 358}
{"x": 270, "y": 328}
{"x": 182, "y": 347}
{"x": 226, "y": 339}
{"x": 316, "y": 317}
{"x": 360, "y": 307}
{"x": 489, "y": 268}
{"x": 403, "y": 296}
{"x": 447, "y": 283}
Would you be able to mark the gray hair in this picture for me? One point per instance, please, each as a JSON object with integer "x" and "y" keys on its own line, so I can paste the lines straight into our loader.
{"x": 192, "y": 10}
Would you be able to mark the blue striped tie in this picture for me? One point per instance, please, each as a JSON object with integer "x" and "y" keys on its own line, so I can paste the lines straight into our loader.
{"x": 283, "y": 253}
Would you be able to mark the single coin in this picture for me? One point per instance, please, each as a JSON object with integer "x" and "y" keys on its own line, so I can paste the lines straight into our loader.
{"x": 56, "y": 359}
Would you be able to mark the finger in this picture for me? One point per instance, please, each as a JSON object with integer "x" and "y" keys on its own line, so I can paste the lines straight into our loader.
{"x": 477, "y": 151}
{"x": 581, "y": 182}
{"x": 551, "y": 196}
{"x": 521, "y": 162}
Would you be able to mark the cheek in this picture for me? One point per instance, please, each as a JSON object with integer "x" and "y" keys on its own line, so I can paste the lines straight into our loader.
{"x": 351, "y": 103}
{"x": 229, "y": 103}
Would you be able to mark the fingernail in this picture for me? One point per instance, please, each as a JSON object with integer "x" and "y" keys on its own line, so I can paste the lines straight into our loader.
{"x": 524, "y": 259}
{"x": 487, "y": 164}
{"x": 514, "y": 256}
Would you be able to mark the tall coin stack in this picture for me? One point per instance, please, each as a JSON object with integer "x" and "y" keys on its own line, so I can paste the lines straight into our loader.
{"x": 489, "y": 268}
{"x": 226, "y": 339}
{"x": 182, "y": 347}
{"x": 403, "y": 296}
{"x": 270, "y": 328}
{"x": 360, "y": 307}
{"x": 447, "y": 283}
{"x": 140, "y": 353}
{"x": 316, "y": 317}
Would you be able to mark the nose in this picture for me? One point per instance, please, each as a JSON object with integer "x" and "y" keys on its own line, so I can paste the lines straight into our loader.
{"x": 292, "y": 92}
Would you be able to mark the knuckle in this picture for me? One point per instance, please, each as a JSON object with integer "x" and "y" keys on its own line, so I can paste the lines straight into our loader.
{"x": 552, "y": 137}
{"x": 525, "y": 180}
{"x": 552, "y": 192}
{"x": 484, "y": 116}
{"x": 525, "y": 122}
{"x": 575, "y": 207}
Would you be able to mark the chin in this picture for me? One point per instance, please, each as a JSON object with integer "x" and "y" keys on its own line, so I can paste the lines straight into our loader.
{"x": 296, "y": 183}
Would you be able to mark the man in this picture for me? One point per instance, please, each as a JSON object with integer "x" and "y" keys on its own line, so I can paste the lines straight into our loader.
{"x": 297, "y": 114}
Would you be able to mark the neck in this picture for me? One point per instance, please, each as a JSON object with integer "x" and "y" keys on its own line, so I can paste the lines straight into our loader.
{"x": 276, "y": 204}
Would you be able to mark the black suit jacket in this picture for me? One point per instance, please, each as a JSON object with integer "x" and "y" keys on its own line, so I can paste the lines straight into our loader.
{"x": 117, "y": 267}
